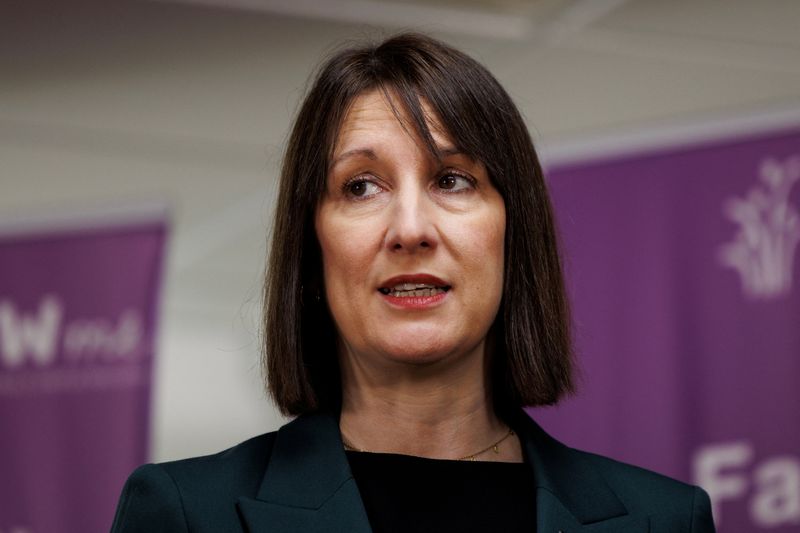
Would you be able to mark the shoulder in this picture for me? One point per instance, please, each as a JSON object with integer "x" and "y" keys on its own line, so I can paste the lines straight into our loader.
{"x": 670, "y": 503}
{"x": 596, "y": 488}
{"x": 237, "y": 469}
{"x": 169, "y": 496}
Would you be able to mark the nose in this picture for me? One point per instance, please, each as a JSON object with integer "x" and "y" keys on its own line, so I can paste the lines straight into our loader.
{"x": 411, "y": 227}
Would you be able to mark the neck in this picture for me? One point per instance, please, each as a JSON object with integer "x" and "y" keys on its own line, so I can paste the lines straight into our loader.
{"x": 441, "y": 410}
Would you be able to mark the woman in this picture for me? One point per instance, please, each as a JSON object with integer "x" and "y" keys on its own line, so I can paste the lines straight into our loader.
{"x": 414, "y": 304}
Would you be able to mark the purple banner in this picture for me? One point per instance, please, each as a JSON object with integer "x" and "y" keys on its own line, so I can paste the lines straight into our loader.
{"x": 77, "y": 325}
{"x": 685, "y": 283}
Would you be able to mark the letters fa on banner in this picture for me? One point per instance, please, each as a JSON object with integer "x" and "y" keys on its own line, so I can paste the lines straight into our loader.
{"x": 728, "y": 472}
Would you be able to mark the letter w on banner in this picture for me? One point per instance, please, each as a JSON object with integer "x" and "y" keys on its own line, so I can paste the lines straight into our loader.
{"x": 77, "y": 329}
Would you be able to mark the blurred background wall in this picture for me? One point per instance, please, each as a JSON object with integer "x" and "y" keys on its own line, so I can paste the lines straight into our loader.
{"x": 188, "y": 103}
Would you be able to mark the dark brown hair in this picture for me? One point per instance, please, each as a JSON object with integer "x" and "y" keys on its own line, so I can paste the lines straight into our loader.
{"x": 532, "y": 357}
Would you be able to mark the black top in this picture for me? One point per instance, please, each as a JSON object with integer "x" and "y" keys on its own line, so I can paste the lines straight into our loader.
{"x": 409, "y": 494}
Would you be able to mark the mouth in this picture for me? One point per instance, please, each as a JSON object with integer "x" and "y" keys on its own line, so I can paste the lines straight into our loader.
{"x": 414, "y": 285}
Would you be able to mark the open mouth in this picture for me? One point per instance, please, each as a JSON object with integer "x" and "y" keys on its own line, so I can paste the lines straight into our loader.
{"x": 408, "y": 290}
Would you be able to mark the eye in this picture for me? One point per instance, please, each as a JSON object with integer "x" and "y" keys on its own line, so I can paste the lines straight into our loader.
{"x": 453, "y": 182}
{"x": 361, "y": 188}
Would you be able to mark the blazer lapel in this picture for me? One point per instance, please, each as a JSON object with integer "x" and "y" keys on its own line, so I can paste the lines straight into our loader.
{"x": 571, "y": 496}
{"x": 554, "y": 517}
{"x": 308, "y": 486}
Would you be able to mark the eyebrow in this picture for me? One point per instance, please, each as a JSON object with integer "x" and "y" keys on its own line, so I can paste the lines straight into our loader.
{"x": 369, "y": 153}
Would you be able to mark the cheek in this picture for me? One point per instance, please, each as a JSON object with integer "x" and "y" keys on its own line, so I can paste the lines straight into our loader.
{"x": 492, "y": 260}
{"x": 488, "y": 236}
{"x": 347, "y": 253}
{"x": 483, "y": 256}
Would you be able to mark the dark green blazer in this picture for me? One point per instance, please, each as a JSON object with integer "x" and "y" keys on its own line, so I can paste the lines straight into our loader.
{"x": 297, "y": 480}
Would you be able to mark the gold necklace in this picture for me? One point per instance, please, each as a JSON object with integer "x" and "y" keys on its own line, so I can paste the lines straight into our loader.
{"x": 471, "y": 457}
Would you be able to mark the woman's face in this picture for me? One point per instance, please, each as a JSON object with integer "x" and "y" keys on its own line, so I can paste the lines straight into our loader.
{"x": 412, "y": 247}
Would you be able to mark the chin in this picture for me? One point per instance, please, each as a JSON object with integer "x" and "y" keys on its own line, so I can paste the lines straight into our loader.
{"x": 422, "y": 357}
{"x": 418, "y": 348}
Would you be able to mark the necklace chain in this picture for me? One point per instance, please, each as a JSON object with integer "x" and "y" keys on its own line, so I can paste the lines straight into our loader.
{"x": 471, "y": 457}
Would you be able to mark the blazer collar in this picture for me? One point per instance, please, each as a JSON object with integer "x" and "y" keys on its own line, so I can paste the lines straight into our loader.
{"x": 571, "y": 494}
{"x": 308, "y": 485}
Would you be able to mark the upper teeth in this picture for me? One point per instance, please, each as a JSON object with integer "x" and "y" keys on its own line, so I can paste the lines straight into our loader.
{"x": 412, "y": 286}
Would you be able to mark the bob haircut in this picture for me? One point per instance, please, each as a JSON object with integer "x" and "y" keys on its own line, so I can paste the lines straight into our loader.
{"x": 531, "y": 354}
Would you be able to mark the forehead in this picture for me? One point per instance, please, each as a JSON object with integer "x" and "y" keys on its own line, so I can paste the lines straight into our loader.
{"x": 372, "y": 117}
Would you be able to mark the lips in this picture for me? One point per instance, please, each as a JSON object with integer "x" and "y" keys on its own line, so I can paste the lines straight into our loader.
{"x": 410, "y": 285}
